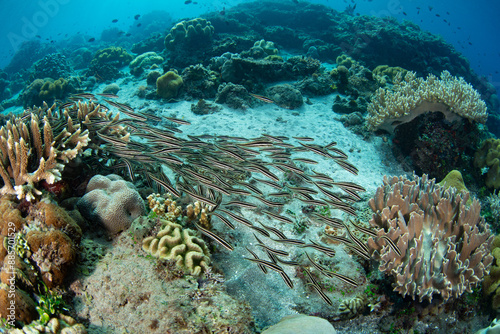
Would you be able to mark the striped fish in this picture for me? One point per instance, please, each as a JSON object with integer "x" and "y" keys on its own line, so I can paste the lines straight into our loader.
{"x": 214, "y": 237}
{"x": 262, "y": 267}
{"x": 262, "y": 98}
{"x": 169, "y": 187}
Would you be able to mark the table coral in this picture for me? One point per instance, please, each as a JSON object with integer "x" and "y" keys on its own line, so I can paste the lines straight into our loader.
{"x": 488, "y": 157}
{"x": 443, "y": 243}
{"x": 173, "y": 242}
{"x": 411, "y": 96}
{"x": 112, "y": 201}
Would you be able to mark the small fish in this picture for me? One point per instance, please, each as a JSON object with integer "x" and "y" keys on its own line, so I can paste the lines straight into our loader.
{"x": 200, "y": 198}
{"x": 138, "y": 25}
{"x": 187, "y": 2}
{"x": 304, "y": 138}
{"x": 287, "y": 279}
{"x": 108, "y": 95}
{"x": 295, "y": 242}
{"x": 115, "y": 20}
{"x": 92, "y": 39}
{"x": 178, "y": 121}
{"x": 263, "y": 268}
{"x": 215, "y": 237}
{"x": 306, "y": 161}
{"x": 237, "y": 218}
{"x": 328, "y": 251}
{"x": 268, "y": 264}
{"x": 169, "y": 187}
{"x": 137, "y": 17}
{"x": 262, "y": 98}
{"x": 392, "y": 245}
{"x": 274, "y": 230}
{"x": 242, "y": 204}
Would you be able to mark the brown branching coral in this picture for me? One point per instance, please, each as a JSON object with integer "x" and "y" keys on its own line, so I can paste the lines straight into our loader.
{"x": 31, "y": 152}
{"x": 443, "y": 243}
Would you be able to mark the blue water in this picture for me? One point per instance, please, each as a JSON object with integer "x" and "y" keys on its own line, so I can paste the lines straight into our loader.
{"x": 470, "y": 26}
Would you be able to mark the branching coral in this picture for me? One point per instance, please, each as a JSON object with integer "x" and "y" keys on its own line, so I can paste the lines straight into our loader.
{"x": 444, "y": 243}
{"x": 30, "y": 153}
{"x": 411, "y": 96}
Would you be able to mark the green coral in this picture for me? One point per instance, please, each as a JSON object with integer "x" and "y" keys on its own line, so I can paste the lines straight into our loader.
{"x": 344, "y": 60}
{"x": 146, "y": 59}
{"x": 491, "y": 283}
{"x": 53, "y": 89}
{"x": 189, "y": 33}
{"x": 384, "y": 72}
{"x": 267, "y": 46}
{"x": 167, "y": 86}
{"x": 113, "y": 55}
{"x": 487, "y": 158}
{"x": 173, "y": 242}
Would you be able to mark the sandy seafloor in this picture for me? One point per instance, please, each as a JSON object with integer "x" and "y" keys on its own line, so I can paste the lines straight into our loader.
{"x": 268, "y": 295}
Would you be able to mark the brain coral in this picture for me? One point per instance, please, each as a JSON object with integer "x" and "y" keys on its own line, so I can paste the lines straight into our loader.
{"x": 189, "y": 33}
{"x": 488, "y": 156}
{"x": 411, "y": 96}
{"x": 112, "y": 201}
{"x": 444, "y": 243}
{"x": 175, "y": 243}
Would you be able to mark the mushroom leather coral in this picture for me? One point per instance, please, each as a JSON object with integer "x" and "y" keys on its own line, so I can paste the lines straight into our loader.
{"x": 444, "y": 244}
{"x": 112, "y": 201}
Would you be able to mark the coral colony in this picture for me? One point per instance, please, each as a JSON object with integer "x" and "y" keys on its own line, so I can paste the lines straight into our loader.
{"x": 174, "y": 206}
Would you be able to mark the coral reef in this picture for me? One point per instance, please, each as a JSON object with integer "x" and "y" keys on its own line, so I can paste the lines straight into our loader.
{"x": 428, "y": 238}
{"x": 168, "y": 85}
{"x": 45, "y": 90}
{"x": 173, "y": 242}
{"x": 267, "y": 46}
{"x": 189, "y": 34}
{"x": 53, "y": 65}
{"x": 106, "y": 63}
{"x": 146, "y": 60}
{"x": 285, "y": 96}
{"x": 111, "y": 201}
{"x": 199, "y": 82}
{"x": 142, "y": 285}
{"x": 386, "y": 74}
{"x": 235, "y": 96}
{"x": 351, "y": 307}
{"x": 487, "y": 158}
{"x": 203, "y": 107}
{"x": 63, "y": 324}
{"x": 491, "y": 283}
{"x": 350, "y": 77}
{"x": 29, "y": 154}
{"x": 411, "y": 96}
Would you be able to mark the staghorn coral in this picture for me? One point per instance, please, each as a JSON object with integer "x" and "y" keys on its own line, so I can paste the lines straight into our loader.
{"x": 30, "y": 153}
{"x": 112, "y": 201}
{"x": 182, "y": 245}
{"x": 488, "y": 157}
{"x": 411, "y": 96}
{"x": 444, "y": 244}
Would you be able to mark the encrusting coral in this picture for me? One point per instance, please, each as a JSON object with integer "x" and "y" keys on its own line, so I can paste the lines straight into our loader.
{"x": 443, "y": 244}
{"x": 411, "y": 96}
{"x": 30, "y": 153}
{"x": 173, "y": 242}
{"x": 112, "y": 201}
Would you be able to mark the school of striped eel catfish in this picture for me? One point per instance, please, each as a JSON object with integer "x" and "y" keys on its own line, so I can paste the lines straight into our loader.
{"x": 226, "y": 173}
